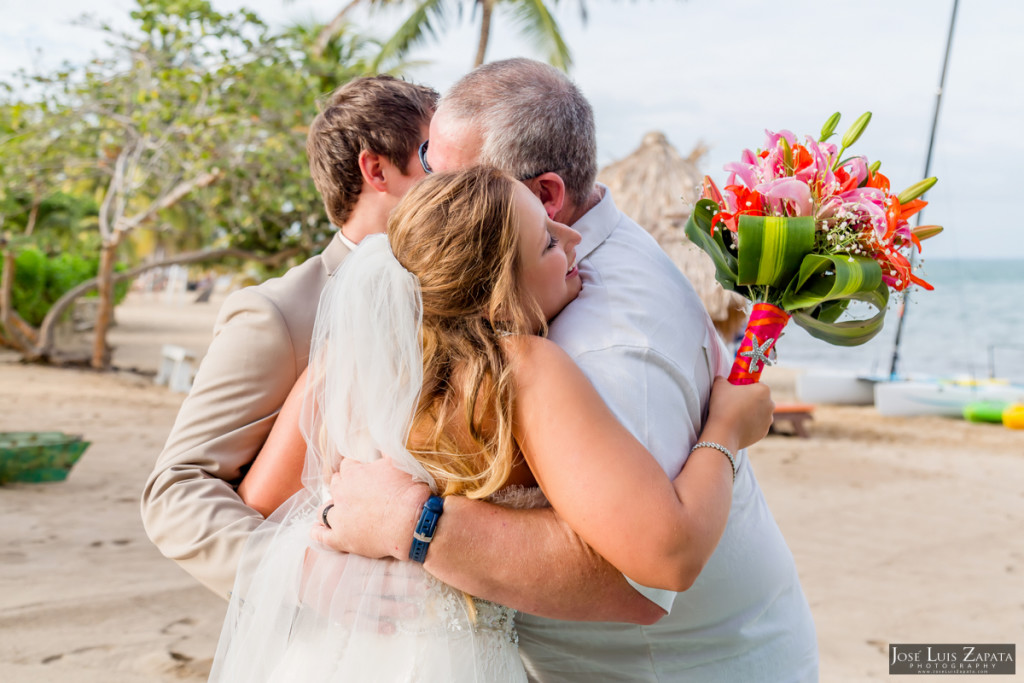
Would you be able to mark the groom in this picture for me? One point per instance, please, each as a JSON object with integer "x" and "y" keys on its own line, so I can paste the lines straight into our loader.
{"x": 641, "y": 335}
{"x": 362, "y": 150}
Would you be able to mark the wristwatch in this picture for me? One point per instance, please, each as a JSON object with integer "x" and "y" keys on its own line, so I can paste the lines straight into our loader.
{"x": 424, "y": 532}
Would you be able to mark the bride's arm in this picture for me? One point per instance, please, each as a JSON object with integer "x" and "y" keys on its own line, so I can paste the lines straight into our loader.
{"x": 528, "y": 559}
{"x": 607, "y": 486}
{"x": 276, "y": 473}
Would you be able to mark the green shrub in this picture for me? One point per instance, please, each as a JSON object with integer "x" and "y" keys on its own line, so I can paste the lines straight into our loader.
{"x": 40, "y": 280}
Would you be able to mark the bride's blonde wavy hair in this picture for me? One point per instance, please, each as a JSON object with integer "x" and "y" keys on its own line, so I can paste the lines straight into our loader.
{"x": 459, "y": 234}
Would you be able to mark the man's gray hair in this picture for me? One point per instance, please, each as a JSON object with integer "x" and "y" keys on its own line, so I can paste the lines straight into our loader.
{"x": 532, "y": 120}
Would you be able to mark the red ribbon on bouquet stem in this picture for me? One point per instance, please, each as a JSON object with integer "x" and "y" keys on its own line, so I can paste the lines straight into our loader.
{"x": 763, "y": 330}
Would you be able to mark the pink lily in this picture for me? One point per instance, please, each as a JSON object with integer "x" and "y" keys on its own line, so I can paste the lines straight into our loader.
{"x": 866, "y": 195}
{"x": 857, "y": 167}
{"x": 746, "y": 173}
{"x": 822, "y": 152}
{"x": 829, "y": 208}
{"x": 868, "y": 202}
{"x": 729, "y": 197}
{"x": 772, "y": 139}
{"x": 790, "y": 189}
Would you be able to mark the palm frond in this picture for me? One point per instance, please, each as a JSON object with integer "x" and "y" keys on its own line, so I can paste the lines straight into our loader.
{"x": 584, "y": 12}
{"x": 427, "y": 19}
{"x": 537, "y": 23}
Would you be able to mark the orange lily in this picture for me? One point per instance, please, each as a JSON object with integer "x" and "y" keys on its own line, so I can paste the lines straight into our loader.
{"x": 710, "y": 191}
{"x": 878, "y": 181}
{"x": 748, "y": 201}
{"x": 801, "y": 158}
{"x": 897, "y": 213}
{"x": 847, "y": 182}
{"x": 901, "y": 267}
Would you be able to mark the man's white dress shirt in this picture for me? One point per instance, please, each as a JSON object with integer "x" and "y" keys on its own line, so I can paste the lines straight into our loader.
{"x": 642, "y": 337}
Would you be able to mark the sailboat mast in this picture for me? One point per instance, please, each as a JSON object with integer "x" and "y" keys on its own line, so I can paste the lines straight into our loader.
{"x": 905, "y": 301}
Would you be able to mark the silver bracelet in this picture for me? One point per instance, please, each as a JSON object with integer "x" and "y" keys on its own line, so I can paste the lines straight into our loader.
{"x": 723, "y": 449}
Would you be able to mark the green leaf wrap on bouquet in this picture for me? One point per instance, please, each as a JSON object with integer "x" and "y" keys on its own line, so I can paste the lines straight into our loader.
{"x": 824, "y": 287}
{"x": 771, "y": 248}
{"x": 700, "y": 231}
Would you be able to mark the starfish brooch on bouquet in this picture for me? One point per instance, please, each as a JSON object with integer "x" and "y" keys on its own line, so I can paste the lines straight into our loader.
{"x": 757, "y": 352}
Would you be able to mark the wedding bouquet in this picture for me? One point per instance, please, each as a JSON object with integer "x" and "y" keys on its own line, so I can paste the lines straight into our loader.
{"x": 801, "y": 231}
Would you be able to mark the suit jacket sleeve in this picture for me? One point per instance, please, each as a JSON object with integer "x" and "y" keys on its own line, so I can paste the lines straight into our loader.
{"x": 189, "y": 507}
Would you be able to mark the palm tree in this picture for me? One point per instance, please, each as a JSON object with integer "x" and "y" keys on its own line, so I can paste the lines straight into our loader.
{"x": 337, "y": 52}
{"x": 429, "y": 17}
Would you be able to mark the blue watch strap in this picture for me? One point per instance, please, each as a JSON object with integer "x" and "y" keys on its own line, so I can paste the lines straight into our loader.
{"x": 424, "y": 532}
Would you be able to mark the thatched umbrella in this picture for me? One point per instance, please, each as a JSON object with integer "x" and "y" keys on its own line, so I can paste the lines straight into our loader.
{"x": 657, "y": 187}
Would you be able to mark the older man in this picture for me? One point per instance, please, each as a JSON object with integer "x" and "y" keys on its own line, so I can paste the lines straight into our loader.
{"x": 641, "y": 335}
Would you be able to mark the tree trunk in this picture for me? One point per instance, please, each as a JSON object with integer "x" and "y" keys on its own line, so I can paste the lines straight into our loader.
{"x": 113, "y": 229}
{"x": 44, "y": 347}
{"x": 11, "y": 333}
{"x": 105, "y": 311}
{"x": 17, "y": 333}
{"x": 486, "y": 7}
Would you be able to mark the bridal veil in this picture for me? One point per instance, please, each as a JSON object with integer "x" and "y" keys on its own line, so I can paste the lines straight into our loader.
{"x": 302, "y": 612}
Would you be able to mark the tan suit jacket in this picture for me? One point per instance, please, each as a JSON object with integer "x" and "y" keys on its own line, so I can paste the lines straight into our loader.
{"x": 260, "y": 347}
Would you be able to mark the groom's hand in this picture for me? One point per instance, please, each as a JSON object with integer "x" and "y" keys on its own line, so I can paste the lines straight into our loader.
{"x": 375, "y": 510}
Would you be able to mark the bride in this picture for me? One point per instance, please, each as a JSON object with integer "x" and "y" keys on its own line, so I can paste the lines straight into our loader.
{"x": 428, "y": 348}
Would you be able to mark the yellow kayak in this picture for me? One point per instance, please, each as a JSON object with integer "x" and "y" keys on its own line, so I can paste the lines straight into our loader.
{"x": 1013, "y": 416}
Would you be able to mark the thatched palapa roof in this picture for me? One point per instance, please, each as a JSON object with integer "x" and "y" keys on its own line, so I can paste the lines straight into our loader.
{"x": 657, "y": 187}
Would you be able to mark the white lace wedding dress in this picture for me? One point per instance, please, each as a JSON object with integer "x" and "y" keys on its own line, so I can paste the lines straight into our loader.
{"x": 303, "y": 613}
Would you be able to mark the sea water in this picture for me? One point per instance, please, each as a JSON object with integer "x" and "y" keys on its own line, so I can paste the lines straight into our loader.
{"x": 970, "y": 326}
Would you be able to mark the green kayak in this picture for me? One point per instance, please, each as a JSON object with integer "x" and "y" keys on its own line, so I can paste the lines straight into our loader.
{"x": 985, "y": 411}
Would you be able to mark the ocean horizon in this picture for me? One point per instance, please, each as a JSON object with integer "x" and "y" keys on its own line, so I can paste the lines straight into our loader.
{"x": 970, "y": 326}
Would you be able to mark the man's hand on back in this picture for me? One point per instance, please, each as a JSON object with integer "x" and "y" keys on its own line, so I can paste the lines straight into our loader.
{"x": 550, "y": 571}
{"x": 375, "y": 510}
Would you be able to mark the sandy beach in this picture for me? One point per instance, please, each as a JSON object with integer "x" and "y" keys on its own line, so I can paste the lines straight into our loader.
{"x": 905, "y": 530}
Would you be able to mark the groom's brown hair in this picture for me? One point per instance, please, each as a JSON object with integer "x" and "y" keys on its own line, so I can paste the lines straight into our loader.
{"x": 380, "y": 114}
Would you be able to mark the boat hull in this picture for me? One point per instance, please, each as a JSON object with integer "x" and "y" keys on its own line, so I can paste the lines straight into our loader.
{"x": 939, "y": 398}
{"x": 38, "y": 456}
{"x": 834, "y": 388}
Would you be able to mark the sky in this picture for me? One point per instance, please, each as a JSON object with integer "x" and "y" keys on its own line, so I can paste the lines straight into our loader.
{"x": 721, "y": 72}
